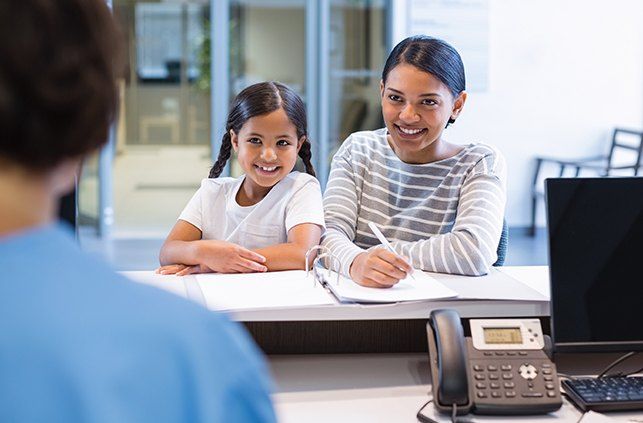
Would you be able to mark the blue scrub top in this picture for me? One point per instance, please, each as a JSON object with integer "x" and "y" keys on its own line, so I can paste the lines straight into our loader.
{"x": 81, "y": 343}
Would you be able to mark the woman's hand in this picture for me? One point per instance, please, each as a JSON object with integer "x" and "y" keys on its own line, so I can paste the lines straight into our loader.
{"x": 379, "y": 268}
{"x": 226, "y": 257}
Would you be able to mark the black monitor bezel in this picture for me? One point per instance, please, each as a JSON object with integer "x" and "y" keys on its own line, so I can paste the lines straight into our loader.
{"x": 580, "y": 347}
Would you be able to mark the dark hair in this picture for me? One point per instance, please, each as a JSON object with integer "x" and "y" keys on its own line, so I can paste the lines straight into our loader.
{"x": 57, "y": 79}
{"x": 260, "y": 99}
{"x": 430, "y": 55}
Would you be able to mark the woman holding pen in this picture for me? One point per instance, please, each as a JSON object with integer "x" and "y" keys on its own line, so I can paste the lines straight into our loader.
{"x": 441, "y": 205}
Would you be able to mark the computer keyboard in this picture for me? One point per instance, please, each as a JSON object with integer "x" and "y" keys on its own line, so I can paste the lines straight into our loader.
{"x": 606, "y": 393}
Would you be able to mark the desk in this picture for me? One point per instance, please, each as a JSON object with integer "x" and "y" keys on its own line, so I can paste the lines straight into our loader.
{"x": 387, "y": 328}
{"x": 385, "y": 388}
{"x": 398, "y": 327}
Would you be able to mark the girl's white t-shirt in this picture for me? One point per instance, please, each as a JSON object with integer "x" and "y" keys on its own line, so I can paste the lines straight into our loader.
{"x": 294, "y": 200}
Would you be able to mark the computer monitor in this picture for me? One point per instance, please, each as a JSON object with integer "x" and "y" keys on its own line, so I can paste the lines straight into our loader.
{"x": 595, "y": 228}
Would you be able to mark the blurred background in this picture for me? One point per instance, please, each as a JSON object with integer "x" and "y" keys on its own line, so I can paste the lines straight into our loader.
{"x": 545, "y": 78}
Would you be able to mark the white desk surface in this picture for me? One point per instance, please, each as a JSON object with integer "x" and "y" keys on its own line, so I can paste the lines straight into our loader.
{"x": 534, "y": 277}
{"x": 529, "y": 283}
{"x": 372, "y": 388}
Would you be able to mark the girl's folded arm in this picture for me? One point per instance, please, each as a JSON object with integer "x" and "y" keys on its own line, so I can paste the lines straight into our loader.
{"x": 180, "y": 246}
{"x": 292, "y": 254}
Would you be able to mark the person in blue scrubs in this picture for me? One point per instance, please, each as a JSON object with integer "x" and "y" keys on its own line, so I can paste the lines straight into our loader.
{"x": 77, "y": 341}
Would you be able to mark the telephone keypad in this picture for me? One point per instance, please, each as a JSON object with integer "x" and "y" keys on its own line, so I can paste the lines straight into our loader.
{"x": 511, "y": 378}
{"x": 532, "y": 394}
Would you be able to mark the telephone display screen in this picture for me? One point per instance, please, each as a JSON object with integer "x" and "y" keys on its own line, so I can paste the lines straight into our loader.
{"x": 502, "y": 336}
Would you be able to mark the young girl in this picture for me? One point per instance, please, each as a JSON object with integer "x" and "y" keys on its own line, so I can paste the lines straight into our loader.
{"x": 266, "y": 219}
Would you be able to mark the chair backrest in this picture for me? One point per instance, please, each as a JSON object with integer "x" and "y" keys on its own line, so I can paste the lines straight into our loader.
{"x": 502, "y": 245}
{"x": 68, "y": 209}
{"x": 626, "y": 150}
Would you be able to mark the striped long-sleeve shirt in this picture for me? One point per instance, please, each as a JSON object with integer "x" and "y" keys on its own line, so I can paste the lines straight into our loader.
{"x": 445, "y": 216}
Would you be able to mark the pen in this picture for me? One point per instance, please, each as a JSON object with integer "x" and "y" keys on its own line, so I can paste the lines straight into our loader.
{"x": 385, "y": 242}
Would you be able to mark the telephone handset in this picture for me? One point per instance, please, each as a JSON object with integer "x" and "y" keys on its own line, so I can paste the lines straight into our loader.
{"x": 501, "y": 369}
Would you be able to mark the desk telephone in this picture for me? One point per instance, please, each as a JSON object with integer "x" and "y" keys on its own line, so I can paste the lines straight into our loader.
{"x": 501, "y": 368}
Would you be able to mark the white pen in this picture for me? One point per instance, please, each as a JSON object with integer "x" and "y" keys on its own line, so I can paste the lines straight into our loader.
{"x": 385, "y": 242}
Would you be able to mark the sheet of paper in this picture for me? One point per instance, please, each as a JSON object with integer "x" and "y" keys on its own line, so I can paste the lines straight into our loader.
{"x": 419, "y": 287}
{"x": 496, "y": 285}
{"x": 262, "y": 290}
{"x": 170, "y": 283}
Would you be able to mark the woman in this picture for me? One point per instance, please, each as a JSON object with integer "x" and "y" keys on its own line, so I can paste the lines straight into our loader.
{"x": 440, "y": 204}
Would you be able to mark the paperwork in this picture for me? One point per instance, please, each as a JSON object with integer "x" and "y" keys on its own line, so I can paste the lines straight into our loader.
{"x": 250, "y": 291}
{"x": 420, "y": 286}
{"x": 496, "y": 285}
{"x": 293, "y": 289}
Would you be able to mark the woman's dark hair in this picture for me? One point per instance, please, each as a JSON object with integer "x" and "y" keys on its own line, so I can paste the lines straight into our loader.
{"x": 57, "y": 79}
{"x": 260, "y": 99}
{"x": 430, "y": 55}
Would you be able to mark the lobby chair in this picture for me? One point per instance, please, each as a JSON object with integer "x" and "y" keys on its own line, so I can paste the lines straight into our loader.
{"x": 625, "y": 142}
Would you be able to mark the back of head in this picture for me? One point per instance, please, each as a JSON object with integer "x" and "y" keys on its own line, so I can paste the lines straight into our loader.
{"x": 57, "y": 71}
{"x": 430, "y": 55}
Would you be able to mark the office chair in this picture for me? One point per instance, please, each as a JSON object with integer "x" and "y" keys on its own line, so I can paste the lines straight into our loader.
{"x": 623, "y": 140}
{"x": 68, "y": 209}
{"x": 502, "y": 245}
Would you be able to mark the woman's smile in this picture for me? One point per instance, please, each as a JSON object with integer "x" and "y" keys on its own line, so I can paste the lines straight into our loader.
{"x": 409, "y": 133}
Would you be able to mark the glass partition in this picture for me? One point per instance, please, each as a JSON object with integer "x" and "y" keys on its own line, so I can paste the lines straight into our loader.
{"x": 267, "y": 43}
{"x": 330, "y": 51}
{"x": 358, "y": 49}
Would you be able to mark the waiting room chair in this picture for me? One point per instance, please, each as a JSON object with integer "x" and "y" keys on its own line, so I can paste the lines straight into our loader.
{"x": 624, "y": 142}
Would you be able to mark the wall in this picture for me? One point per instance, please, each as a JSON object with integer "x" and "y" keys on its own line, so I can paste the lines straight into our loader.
{"x": 562, "y": 75}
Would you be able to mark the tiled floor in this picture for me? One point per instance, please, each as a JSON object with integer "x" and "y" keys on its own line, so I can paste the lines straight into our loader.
{"x": 142, "y": 254}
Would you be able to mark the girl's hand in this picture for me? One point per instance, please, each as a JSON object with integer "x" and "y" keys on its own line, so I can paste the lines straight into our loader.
{"x": 226, "y": 257}
{"x": 170, "y": 269}
{"x": 379, "y": 268}
{"x": 182, "y": 269}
